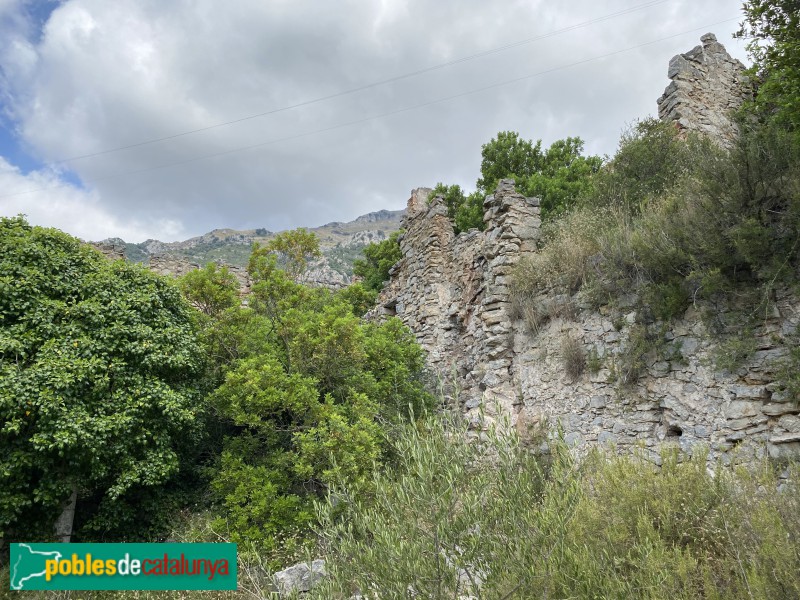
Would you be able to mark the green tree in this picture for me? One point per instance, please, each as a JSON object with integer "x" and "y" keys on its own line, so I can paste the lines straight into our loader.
{"x": 565, "y": 176}
{"x": 295, "y": 248}
{"x": 559, "y": 176}
{"x": 97, "y": 378}
{"x": 508, "y": 155}
{"x": 378, "y": 259}
{"x": 464, "y": 210}
{"x": 773, "y": 27}
{"x": 360, "y": 297}
{"x": 211, "y": 289}
{"x": 470, "y": 214}
{"x": 307, "y": 393}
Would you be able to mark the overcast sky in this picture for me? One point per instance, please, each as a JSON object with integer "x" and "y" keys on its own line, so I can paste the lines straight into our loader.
{"x": 87, "y": 77}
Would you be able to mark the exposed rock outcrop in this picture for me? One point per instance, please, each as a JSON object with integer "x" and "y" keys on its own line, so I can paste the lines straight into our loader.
{"x": 299, "y": 578}
{"x": 340, "y": 243}
{"x": 175, "y": 266}
{"x": 707, "y": 86}
{"x": 112, "y": 249}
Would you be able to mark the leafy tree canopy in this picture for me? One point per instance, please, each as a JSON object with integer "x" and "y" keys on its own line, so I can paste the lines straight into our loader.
{"x": 211, "y": 289}
{"x": 305, "y": 392}
{"x": 97, "y": 367}
{"x": 378, "y": 259}
{"x": 295, "y": 248}
{"x": 773, "y": 27}
{"x": 508, "y": 155}
{"x": 559, "y": 176}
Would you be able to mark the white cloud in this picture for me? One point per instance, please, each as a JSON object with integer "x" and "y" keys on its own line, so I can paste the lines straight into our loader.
{"x": 80, "y": 212}
{"x": 108, "y": 74}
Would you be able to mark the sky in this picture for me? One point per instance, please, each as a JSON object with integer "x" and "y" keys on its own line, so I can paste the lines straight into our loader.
{"x": 149, "y": 119}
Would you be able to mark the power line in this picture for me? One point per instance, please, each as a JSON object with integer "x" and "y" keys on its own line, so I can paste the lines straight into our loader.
{"x": 365, "y": 86}
{"x": 381, "y": 115}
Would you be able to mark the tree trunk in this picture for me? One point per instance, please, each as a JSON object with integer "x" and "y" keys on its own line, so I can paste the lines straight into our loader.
{"x": 65, "y": 520}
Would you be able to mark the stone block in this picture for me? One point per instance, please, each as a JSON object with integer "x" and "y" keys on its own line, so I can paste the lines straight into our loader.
{"x": 740, "y": 424}
{"x": 790, "y": 423}
{"x": 750, "y": 391}
{"x": 606, "y": 437}
{"x": 598, "y": 402}
{"x": 738, "y": 409}
{"x": 780, "y": 408}
{"x": 784, "y": 451}
{"x": 299, "y": 578}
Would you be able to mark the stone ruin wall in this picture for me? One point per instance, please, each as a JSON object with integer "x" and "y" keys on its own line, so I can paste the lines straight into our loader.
{"x": 707, "y": 86}
{"x": 453, "y": 292}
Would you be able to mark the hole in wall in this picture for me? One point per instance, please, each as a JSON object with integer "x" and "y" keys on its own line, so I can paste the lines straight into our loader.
{"x": 673, "y": 431}
{"x": 390, "y": 308}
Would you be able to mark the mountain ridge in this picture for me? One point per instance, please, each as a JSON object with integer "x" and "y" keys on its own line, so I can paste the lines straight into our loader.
{"x": 341, "y": 243}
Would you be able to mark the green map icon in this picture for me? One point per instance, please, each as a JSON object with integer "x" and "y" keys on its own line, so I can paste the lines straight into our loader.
{"x": 28, "y": 564}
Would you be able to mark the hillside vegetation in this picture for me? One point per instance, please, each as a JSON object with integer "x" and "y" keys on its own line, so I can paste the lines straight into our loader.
{"x": 160, "y": 409}
{"x": 128, "y": 403}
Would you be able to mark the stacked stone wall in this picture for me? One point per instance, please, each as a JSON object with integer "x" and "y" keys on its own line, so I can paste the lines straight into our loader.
{"x": 453, "y": 291}
{"x": 707, "y": 87}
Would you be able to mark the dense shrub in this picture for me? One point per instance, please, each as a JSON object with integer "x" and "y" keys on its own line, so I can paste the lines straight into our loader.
{"x": 573, "y": 357}
{"x": 378, "y": 258}
{"x": 675, "y": 222}
{"x": 304, "y": 393}
{"x": 489, "y": 520}
{"x": 98, "y": 364}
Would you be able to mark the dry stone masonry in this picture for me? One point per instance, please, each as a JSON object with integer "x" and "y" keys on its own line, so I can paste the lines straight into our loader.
{"x": 707, "y": 86}
{"x": 453, "y": 291}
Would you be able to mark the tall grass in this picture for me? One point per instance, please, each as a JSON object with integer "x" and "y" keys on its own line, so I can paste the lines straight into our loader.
{"x": 672, "y": 223}
{"x": 491, "y": 521}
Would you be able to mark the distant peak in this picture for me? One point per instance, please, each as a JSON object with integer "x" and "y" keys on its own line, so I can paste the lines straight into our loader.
{"x": 380, "y": 215}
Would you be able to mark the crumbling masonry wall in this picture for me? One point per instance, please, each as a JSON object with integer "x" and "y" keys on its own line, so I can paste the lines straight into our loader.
{"x": 707, "y": 86}
{"x": 453, "y": 292}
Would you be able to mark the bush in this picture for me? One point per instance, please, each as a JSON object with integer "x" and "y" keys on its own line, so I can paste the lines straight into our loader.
{"x": 489, "y": 520}
{"x": 305, "y": 393}
{"x": 651, "y": 160}
{"x": 564, "y": 264}
{"x": 378, "y": 259}
{"x": 681, "y": 222}
{"x": 573, "y": 357}
{"x": 441, "y": 522}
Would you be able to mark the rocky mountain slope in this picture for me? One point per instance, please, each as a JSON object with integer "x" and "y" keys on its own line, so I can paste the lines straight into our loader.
{"x": 341, "y": 244}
